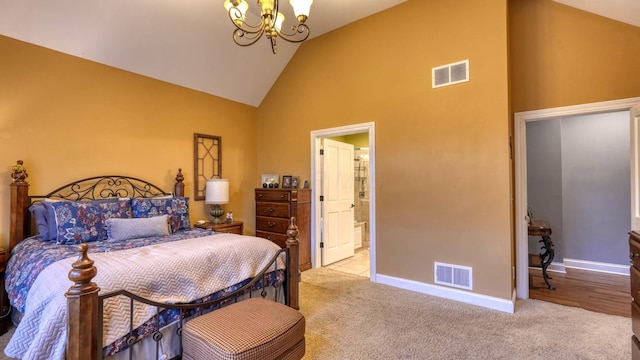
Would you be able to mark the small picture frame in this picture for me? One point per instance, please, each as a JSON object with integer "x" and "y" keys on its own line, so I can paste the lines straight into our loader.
{"x": 286, "y": 181}
{"x": 294, "y": 182}
{"x": 270, "y": 180}
{"x": 306, "y": 184}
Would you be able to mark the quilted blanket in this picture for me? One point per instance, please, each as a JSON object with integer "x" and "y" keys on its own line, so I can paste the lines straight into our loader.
{"x": 191, "y": 269}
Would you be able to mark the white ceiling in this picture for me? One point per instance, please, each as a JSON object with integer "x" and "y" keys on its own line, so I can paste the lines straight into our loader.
{"x": 189, "y": 42}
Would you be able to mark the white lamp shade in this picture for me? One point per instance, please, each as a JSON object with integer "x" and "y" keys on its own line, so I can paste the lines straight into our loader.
{"x": 217, "y": 191}
{"x": 301, "y": 7}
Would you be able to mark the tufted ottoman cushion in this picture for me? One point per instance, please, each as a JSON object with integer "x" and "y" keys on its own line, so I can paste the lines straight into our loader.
{"x": 251, "y": 329}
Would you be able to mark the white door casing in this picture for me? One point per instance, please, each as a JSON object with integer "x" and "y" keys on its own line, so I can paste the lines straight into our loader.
{"x": 338, "y": 205}
{"x": 316, "y": 137}
{"x": 635, "y": 167}
{"x": 520, "y": 135}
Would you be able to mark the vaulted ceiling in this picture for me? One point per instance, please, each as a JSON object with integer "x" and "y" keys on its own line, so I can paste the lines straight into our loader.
{"x": 189, "y": 42}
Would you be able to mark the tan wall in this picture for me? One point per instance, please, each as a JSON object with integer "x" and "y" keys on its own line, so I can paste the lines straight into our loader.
{"x": 69, "y": 118}
{"x": 442, "y": 166}
{"x": 562, "y": 56}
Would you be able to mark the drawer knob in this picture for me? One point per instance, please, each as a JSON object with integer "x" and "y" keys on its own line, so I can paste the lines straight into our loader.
{"x": 270, "y": 224}
{"x": 282, "y": 196}
{"x": 633, "y": 255}
{"x": 271, "y": 209}
{"x": 259, "y": 195}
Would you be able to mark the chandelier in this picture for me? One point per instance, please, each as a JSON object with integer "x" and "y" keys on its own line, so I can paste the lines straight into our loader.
{"x": 271, "y": 20}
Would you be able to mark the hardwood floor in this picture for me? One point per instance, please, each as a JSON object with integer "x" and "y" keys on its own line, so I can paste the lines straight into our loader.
{"x": 590, "y": 290}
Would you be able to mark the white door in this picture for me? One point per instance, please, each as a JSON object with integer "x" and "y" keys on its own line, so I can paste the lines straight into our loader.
{"x": 635, "y": 167}
{"x": 337, "y": 204}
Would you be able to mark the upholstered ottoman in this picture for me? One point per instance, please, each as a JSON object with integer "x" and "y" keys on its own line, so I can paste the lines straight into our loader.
{"x": 251, "y": 329}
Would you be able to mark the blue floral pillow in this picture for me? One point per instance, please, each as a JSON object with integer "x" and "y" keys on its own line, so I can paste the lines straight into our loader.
{"x": 177, "y": 208}
{"x": 84, "y": 221}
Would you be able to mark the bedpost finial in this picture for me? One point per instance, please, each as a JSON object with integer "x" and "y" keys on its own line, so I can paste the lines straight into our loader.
{"x": 179, "y": 176}
{"x": 82, "y": 273}
{"x": 18, "y": 172}
{"x": 292, "y": 231}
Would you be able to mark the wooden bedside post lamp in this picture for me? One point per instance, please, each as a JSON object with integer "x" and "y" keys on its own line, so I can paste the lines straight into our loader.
{"x": 216, "y": 193}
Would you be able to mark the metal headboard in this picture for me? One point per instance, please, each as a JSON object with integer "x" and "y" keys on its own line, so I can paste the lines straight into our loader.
{"x": 102, "y": 187}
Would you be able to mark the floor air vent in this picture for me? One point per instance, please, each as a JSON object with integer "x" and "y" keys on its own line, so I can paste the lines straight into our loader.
{"x": 453, "y": 275}
{"x": 450, "y": 74}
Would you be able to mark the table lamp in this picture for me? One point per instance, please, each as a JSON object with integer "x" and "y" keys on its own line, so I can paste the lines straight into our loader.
{"x": 216, "y": 193}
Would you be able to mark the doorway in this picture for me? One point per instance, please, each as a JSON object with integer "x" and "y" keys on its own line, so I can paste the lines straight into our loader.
{"x": 521, "y": 201}
{"x": 316, "y": 180}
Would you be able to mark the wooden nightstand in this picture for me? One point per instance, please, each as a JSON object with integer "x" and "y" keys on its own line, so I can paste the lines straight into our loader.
{"x": 235, "y": 227}
{"x": 5, "y": 318}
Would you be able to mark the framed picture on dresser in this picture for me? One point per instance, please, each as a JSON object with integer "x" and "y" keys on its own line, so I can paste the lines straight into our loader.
{"x": 286, "y": 181}
{"x": 294, "y": 182}
{"x": 270, "y": 180}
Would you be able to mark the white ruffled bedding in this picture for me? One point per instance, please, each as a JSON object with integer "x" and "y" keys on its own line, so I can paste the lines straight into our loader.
{"x": 180, "y": 271}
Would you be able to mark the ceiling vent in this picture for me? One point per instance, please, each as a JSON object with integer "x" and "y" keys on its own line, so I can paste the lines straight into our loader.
{"x": 450, "y": 74}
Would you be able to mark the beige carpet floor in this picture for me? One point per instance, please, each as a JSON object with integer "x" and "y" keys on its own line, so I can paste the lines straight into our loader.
{"x": 348, "y": 317}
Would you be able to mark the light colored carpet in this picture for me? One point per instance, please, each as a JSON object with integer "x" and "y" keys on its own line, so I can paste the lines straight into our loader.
{"x": 348, "y": 317}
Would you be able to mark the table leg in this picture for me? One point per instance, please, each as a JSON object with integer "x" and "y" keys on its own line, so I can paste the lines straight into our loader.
{"x": 546, "y": 256}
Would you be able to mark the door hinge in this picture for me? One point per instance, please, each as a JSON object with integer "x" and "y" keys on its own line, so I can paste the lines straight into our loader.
{"x": 321, "y": 151}
{"x": 321, "y": 197}
{"x": 321, "y": 244}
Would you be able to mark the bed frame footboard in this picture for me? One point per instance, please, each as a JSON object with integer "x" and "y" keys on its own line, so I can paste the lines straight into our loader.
{"x": 83, "y": 304}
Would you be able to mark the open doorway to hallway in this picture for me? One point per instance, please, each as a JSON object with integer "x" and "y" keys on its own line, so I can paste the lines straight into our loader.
{"x": 361, "y": 184}
{"x": 521, "y": 180}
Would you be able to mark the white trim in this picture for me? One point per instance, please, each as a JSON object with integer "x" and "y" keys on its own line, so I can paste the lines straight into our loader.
{"x": 520, "y": 120}
{"x": 489, "y": 302}
{"x": 557, "y": 267}
{"x": 597, "y": 266}
{"x": 554, "y": 266}
{"x": 316, "y": 135}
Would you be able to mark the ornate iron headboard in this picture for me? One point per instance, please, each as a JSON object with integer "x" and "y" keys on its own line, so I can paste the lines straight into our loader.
{"x": 102, "y": 187}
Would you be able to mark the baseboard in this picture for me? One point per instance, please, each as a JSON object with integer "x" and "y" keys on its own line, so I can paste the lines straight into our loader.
{"x": 597, "y": 266}
{"x": 490, "y": 302}
{"x": 554, "y": 266}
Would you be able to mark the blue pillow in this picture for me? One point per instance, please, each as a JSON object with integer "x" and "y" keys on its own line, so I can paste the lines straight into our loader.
{"x": 51, "y": 220}
{"x": 39, "y": 214}
{"x": 84, "y": 221}
{"x": 177, "y": 208}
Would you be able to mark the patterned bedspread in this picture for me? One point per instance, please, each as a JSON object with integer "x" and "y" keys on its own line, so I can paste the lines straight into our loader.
{"x": 175, "y": 271}
{"x": 31, "y": 256}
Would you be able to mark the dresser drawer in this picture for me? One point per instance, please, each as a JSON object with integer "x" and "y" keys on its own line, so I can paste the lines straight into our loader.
{"x": 635, "y": 317}
{"x": 279, "y": 239}
{"x": 273, "y": 195}
{"x": 273, "y": 209}
{"x": 635, "y": 283}
{"x": 272, "y": 224}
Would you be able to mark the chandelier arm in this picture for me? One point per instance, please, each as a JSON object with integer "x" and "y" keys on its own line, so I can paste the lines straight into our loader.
{"x": 298, "y": 29}
{"x": 234, "y": 13}
{"x": 249, "y": 38}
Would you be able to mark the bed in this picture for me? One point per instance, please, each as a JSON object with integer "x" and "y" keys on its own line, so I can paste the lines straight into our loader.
{"x": 113, "y": 269}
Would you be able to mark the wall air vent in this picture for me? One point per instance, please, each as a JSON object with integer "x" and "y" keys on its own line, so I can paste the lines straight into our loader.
{"x": 450, "y": 74}
{"x": 453, "y": 275}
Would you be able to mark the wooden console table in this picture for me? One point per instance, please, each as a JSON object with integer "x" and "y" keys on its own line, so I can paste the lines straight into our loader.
{"x": 542, "y": 229}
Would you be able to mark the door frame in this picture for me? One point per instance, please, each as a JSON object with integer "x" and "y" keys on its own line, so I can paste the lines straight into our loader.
{"x": 520, "y": 137}
{"x": 316, "y": 137}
